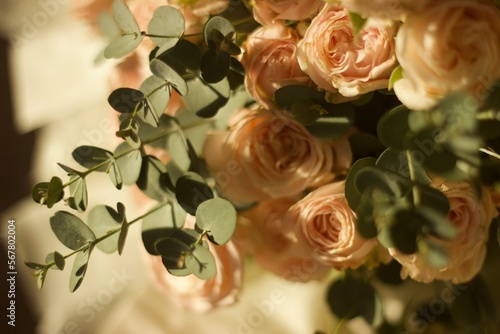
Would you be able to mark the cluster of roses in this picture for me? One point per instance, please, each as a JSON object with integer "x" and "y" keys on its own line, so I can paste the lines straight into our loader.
{"x": 268, "y": 158}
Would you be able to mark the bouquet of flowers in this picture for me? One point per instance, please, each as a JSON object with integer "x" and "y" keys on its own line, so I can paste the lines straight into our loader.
{"x": 351, "y": 141}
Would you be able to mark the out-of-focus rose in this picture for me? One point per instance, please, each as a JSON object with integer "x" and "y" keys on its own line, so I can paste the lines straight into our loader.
{"x": 270, "y": 62}
{"x": 451, "y": 46}
{"x": 384, "y": 9}
{"x": 260, "y": 232}
{"x": 267, "y": 12}
{"x": 342, "y": 64}
{"x": 266, "y": 155}
{"x": 325, "y": 225}
{"x": 201, "y": 295}
{"x": 471, "y": 218}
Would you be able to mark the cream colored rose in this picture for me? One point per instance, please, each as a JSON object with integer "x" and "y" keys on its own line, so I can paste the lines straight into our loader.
{"x": 260, "y": 233}
{"x": 325, "y": 226}
{"x": 268, "y": 12}
{"x": 265, "y": 155}
{"x": 471, "y": 218}
{"x": 342, "y": 64}
{"x": 270, "y": 62}
{"x": 199, "y": 295}
{"x": 451, "y": 46}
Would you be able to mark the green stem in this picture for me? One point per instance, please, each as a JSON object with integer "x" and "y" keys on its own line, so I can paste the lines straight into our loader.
{"x": 164, "y": 36}
{"x": 413, "y": 177}
{"x": 490, "y": 153}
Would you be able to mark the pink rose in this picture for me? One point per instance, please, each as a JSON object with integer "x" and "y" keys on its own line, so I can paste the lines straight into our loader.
{"x": 271, "y": 62}
{"x": 467, "y": 250}
{"x": 451, "y": 46}
{"x": 265, "y": 155}
{"x": 260, "y": 232}
{"x": 342, "y": 64}
{"x": 267, "y": 12}
{"x": 325, "y": 225}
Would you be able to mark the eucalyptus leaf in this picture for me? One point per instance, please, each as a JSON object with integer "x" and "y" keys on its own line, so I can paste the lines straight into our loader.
{"x": 165, "y": 72}
{"x": 217, "y": 216}
{"x": 71, "y": 230}
{"x": 201, "y": 262}
{"x": 123, "y": 45}
{"x": 40, "y": 275}
{"x": 158, "y": 93}
{"x": 397, "y": 162}
{"x": 93, "y": 157}
{"x": 39, "y": 192}
{"x": 349, "y": 298}
{"x": 215, "y": 66}
{"x": 57, "y": 258}
{"x": 403, "y": 231}
{"x": 129, "y": 130}
{"x": 373, "y": 177}
{"x": 433, "y": 253}
{"x": 104, "y": 220}
{"x": 157, "y": 135}
{"x": 333, "y": 126}
{"x": 352, "y": 194}
{"x": 166, "y": 27}
{"x": 115, "y": 174}
{"x": 365, "y": 221}
{"x": 130, "y": 164}
{"x": 126, "y": 100}
{"x": 55, "y": 191}
{"x": 124, "y": 17}
{"x": 393, "y": 128}
{"x": 218, "y": 23}
{"x": 191, "y": 190}
{"x": 157, "y": 225}
{"x": 124, "y": 229}
{"x": 287, "y": 96}
{"x": 70, "y": 171}
{"x": 206, "y": 99}
{"x": 78, "y": 190}
{"x": 173, "y": 251}
{"x": 153, "y": 179}
{"x": 79, "y": 269}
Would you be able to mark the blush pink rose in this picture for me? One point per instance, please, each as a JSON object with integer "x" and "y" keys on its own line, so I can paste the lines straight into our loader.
{"x": 260, "y": 233}
{"x": 270, "y": 62}
{"x": 325, "y": 226}
{"x": 471, "y": 218}
{"x": 268, "y": 12}
{"x": 451, "y": 46}
{"x": 265, "y": 155}
{"x": 342, "y": 64}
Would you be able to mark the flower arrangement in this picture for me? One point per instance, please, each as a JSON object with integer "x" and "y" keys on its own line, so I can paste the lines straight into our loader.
{"x": 359, "y": 138}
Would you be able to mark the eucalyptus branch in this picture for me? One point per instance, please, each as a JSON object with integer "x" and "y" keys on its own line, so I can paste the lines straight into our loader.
{"x": 413, "y": 178}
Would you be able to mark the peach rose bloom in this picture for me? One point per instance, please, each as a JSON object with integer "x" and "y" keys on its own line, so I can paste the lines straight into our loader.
{"x": 344, "y": 65}
{"x": 467, "y": 250}
{"x": 451, "y": 46}
{"x": 260, "y": 233}
{"x": 267, "y": 12}
{"x": 325, "y": 225}
{"x": 270, "y": 63}
{"x": 265, "y": 155}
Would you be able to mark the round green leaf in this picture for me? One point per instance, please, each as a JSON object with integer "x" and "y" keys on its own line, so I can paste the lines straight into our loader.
{"x": 57, "y": 258}
{"x": 39, "y": 192}
{"x": 78, "y": 190}
{"x": 373, "y": 177}
{"x": 215, "y": 65}
{"x": 55, "y": 191}
{"x": 91, "y": 157}
{"x": 124, "y": 17}
{"x": 217, "y": 216}
{"x": 219, "y": 23}
{"x": 404, "y": 228}
{"x": 153, "y": 179}
{"x": 160, "y": 224}
{"x": 352, "y": 194}
{"x": 191, "y": 190}
{"x": 349, "y": 298}
{"x": 130, "y": 164}
{"x": 173, "y": 252}
{"x": 206, "y": 99}
{"x": 332, "y": 127}
{"x": 201, "y": 263}
{"x": 158, "y": 95}
{"x": 71, "y": 230}
{"x": 126, "y": 100}
{"x": 123, "y": 45}
{"x": 79, "y": 269}
{"x": 103, "y": 220}
{"x": 165, "y": 72}
{"x": 167, "y": 22}
{"x": 392, "y": 129}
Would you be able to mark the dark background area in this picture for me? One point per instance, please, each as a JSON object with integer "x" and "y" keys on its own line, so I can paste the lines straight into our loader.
{"x": 16, "y": 153}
